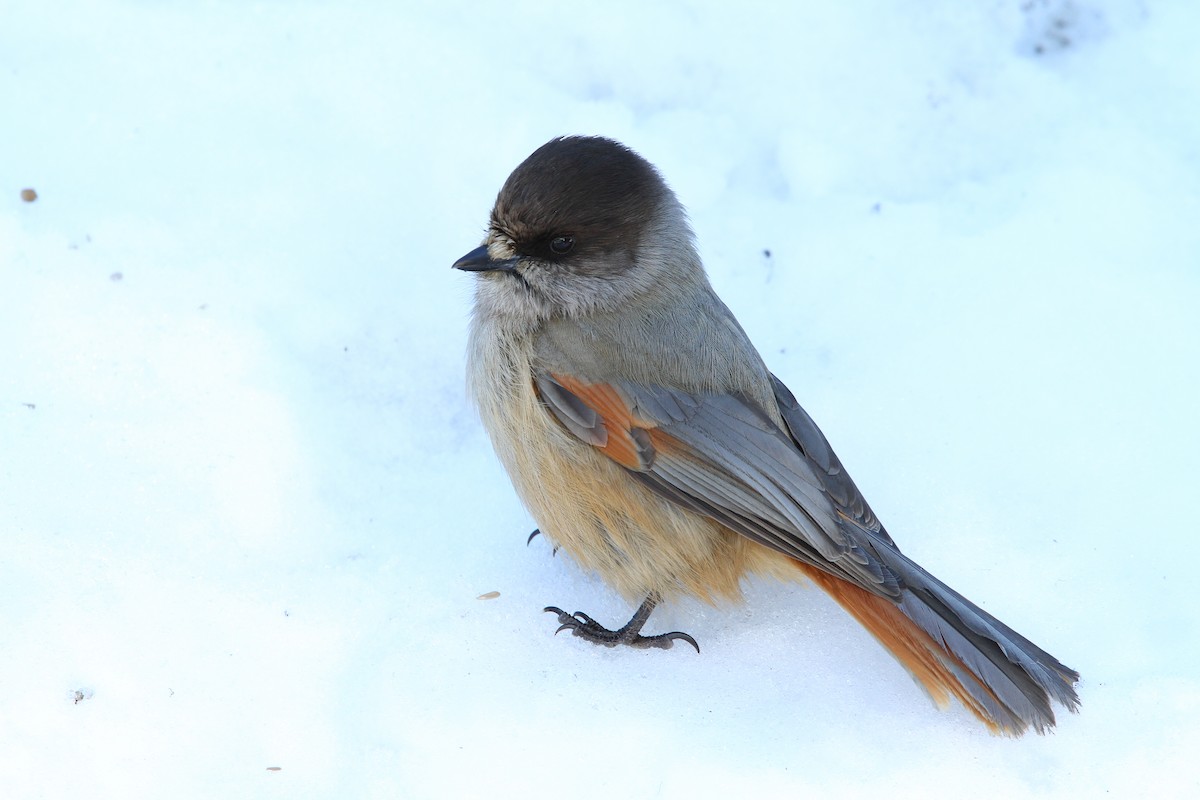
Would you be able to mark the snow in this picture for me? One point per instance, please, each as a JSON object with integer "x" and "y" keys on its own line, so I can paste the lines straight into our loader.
{"x": 248, "y": 513}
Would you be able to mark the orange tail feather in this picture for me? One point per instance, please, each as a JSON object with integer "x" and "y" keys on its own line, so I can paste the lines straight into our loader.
{"x": 940, "y": 672}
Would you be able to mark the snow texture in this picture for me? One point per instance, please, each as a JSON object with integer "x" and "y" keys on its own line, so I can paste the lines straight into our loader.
{"x": 252, "y": 532}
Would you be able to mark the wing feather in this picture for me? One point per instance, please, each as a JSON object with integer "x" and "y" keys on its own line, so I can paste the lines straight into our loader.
{"x": 723, "y": 457}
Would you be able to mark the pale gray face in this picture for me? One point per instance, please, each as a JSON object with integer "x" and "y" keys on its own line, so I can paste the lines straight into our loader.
{"x": 580, "y": 225}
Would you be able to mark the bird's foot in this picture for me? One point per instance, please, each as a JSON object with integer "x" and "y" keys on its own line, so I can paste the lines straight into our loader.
{"x": 583, "y": 626}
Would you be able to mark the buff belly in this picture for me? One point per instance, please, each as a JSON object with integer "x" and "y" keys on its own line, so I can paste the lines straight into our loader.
{"x": 593, "y": 510}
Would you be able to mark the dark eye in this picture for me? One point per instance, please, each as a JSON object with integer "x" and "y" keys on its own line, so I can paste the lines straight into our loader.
{"x": 561, "y": 245}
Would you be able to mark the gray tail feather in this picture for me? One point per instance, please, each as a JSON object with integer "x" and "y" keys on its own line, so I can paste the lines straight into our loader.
{"x": 1013, "y": 679}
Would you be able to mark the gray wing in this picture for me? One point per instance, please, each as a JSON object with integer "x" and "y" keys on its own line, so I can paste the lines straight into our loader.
{"x": 808, "y": 437}
{"x": 722, "y": 456}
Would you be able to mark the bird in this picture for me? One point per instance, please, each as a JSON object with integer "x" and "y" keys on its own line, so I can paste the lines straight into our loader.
{"x": 651, "y": 443}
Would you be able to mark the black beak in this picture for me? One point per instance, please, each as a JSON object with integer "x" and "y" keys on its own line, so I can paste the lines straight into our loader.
{"x": 478, "y": 260}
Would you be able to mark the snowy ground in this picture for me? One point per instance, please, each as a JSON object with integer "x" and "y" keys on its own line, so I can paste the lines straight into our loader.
{"x": 246, "y": 513}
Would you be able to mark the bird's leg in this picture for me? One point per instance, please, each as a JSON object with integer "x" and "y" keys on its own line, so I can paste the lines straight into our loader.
{"x": 583, "y": 626}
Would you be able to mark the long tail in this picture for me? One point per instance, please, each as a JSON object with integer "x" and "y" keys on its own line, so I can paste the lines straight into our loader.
{"x": 953, "y": 647}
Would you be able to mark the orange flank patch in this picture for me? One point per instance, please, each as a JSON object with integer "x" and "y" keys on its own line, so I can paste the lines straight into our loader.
{"x": 621, "y": 447}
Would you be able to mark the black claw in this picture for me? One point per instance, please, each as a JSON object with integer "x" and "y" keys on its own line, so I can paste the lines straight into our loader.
{"x": 685, "y": 637}
{"x": 536, "y": 533}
